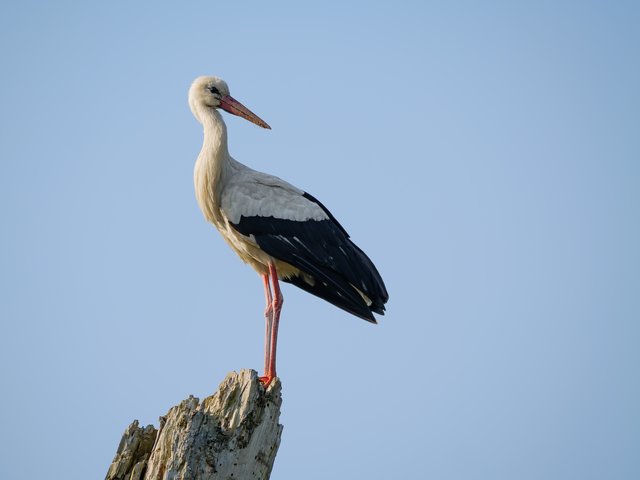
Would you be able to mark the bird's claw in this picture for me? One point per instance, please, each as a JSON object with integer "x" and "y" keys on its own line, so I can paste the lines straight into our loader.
{"x": 266, "y": 380}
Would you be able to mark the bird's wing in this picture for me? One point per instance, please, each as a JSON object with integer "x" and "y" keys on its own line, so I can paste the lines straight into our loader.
{"x": 256, "y": 194}
{"x": 292, "y": 226}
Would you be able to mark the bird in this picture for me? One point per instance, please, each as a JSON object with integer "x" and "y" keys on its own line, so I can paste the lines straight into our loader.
{"x": 283, "y": 232}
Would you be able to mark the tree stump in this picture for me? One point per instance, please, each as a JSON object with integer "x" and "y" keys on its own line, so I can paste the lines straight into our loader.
{"x": 232, "y": 434}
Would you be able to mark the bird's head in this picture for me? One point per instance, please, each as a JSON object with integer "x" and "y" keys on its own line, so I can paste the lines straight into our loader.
{"x": 207, "y": 93}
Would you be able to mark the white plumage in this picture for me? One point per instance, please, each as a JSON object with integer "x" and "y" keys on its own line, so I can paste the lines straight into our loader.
{"x": 280, "y": 230}
{"x": 251, "y": 193}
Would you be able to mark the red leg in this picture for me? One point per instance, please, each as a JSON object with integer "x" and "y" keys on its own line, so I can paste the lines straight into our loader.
{"x": 268, "y": 316}
{"x": 276, "y": 307}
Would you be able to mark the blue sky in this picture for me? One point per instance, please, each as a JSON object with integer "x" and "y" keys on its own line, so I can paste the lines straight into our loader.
{"x": 486, "y": 157}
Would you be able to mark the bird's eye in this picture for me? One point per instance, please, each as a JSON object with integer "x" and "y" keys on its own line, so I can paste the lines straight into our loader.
{"x": 214, "y": 90}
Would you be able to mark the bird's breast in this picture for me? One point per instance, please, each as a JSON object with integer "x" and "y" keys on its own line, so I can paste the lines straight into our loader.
{"x": 206, "y": 179}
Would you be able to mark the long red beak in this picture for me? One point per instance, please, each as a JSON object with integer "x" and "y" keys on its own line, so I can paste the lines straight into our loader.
{"x": 231, "y": 105}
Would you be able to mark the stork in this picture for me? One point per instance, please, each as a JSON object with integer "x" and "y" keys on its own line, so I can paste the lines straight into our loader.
{"x": 283, "y": 232}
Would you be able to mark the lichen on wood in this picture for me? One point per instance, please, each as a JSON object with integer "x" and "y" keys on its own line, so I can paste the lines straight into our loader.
{"x": 232, "y": 434}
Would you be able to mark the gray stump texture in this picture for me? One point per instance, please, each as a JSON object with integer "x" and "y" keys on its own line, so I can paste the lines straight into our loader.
{"x": 233, "y": 434}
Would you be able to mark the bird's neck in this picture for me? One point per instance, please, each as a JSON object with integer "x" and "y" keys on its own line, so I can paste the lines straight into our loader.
{"x": 212, "y": 164}
{"x": 215, "y": 135}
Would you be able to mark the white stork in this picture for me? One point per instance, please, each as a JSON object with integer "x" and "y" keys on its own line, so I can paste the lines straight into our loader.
{"x": 281, "y": 231}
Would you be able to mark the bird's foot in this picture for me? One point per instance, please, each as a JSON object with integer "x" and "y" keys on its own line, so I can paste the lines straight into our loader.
{"x": 266, "y": 380}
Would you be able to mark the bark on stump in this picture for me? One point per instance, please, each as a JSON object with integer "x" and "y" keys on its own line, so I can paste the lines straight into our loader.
{"x": 233, "y": 434}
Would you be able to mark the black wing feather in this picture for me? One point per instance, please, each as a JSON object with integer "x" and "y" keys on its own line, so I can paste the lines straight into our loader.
{"x": 322, "y": 250}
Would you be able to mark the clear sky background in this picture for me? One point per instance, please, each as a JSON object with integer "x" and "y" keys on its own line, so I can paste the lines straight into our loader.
{"x": 486, "y": 157}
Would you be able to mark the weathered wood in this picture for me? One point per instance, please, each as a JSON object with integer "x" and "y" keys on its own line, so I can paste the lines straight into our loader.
{"x": 133, "y": 452}
{"x": 232, "y": 434}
